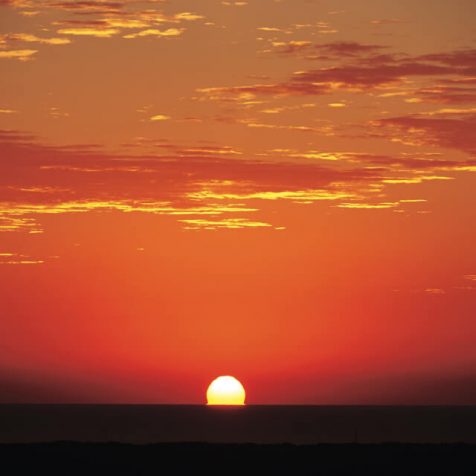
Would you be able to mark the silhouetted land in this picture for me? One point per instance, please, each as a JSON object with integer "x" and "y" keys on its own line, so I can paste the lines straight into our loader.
{"x": 70, "y": 440}
{"x": 265, "y": 424}
{"x": 89, "y": 459}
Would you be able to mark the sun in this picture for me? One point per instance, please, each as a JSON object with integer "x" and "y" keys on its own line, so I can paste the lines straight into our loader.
{"x": 226, "y": 390}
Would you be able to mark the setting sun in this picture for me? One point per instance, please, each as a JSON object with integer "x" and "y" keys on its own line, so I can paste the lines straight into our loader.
{"x": 225, "y": 390}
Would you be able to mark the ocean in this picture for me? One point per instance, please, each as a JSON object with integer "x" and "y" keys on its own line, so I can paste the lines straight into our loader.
{"x": 267, "y": 424}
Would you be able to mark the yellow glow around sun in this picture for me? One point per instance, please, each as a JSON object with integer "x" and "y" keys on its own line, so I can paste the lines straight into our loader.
{"x": 226, "y": 390}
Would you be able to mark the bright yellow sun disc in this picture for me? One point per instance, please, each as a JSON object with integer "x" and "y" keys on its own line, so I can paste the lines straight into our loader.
{"x": 226, "y": 390}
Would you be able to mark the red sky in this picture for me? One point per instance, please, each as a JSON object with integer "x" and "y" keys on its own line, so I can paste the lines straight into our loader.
{"x": 280, "y": 190}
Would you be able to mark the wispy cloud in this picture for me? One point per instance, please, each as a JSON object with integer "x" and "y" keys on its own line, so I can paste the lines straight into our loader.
{"x": 360, "y": 68}
{"x": 234, "y": 3}
{"x": 22, "y": 55}
{"x": 18, "y": 259}
{"x": 194, "y": 181}
{"x": 226, "y": 224}
{"x": 157, "y": 33}
{"x": 212, "y": 180}
{"x": 30, "y": 38}
{"x": 159, "y": 118}
{"x": 95, "y": 32}
{"x": 454, "y": 130}
{"x": 98, "y": 19}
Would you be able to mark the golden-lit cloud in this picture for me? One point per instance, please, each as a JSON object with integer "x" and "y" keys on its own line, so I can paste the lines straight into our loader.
{"x": 435, "y": 291}
{"x": 24, "y": 216}
{"x": 125, "y": 23}
{"x": 94, "y": 19}
{"x": 292, "y": 46}
{"x": 206, "y": 180}
{"x": 228, "y": 224}
{"x": 18, "y": 259}
{"x": 288, "y": 127}
{"x": 156, "y": 33}
{"x": 234, "y": 3}
{"x": 95, "y": 6}
{"x": 159, "y": 118}
{"x": 369, "y": 206}
{"x": 297, "y": 196}
{"x": 188, "y": 16}
{"x": 57, "y": 113}
{"x": 317, "y": 99}
{"x": 22, "y": 55}
{"x": 387, "y": 21}
{"x": 414, "y": 179}
{"x": 29, "y": 38}
{"x": 97, "y": 33}
{"x": 271, "y": 29}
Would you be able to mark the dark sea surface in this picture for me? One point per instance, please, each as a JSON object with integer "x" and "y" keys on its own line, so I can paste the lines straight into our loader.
{"x": 248, "y": 424}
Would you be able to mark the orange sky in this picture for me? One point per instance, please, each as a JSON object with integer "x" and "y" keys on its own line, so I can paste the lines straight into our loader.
{"x": 280, "y": 190}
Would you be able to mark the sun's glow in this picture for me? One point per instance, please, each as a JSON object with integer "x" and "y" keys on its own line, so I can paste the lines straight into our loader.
{"x": 226, "y": 390}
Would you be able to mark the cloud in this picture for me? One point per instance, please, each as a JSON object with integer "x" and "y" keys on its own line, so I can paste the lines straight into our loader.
{"x": 348, "y": 48}
{"x": 188, "y": 16}
{"x": 96, "y": 6}
{"x": 320, "y": 28}
{"x": 387, "y": 21}
{"x": 323, "y": 51}
{"x": 286, "y": 127}
{"x": 172, "y": 181}
{"x": 126, "y": 14}
{"x": 361, "y": 68}
{"x": 291, "y": 47}
{"x": 98, "y": 19}
{"x": 25, "y": 216}
{"x": 296, "y": 196}
{"x": 157, "y": 33}
{"x": 234, "y": 4}
{"x": 369, "y": 206}
{"x": 445, "y": 94}
{"x": 196, "y": 182}
{"x": 417, "y": 162}
{"x": 209, "y": 150}
{"x": 57, "y": 113}
{"x": 461, "y": 58}
{"x": 159, "y": 118}
{"x": 22, "y": 55}
{"x": 18, "y": 259}
{"x": 16, "y": 3}
{"x": 445, "y": 129}
{"x": 95, "y": 32}
{"x": 291, "y": 88}
{"x": 119, "y": 22}
{"x": 280, "y": 109}
{"x": 435, "y": 291}
{"x": 227, "y": 224}
{"x": 368, "y": 76}
{"x": 271, "y": 29}
{"x": 29, "y": 38}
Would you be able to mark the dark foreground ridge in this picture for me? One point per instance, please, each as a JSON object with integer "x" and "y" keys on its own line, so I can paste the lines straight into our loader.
{"x": 68, "y": 458}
